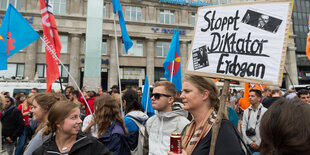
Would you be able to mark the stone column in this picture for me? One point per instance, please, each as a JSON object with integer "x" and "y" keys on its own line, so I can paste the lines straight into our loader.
{"x": 112, "y": 73}
{"x": 290, "y": 62}
{"x": 74, "y": 67}
{"x": 151, "y": 14}
{"x": 150, "y": 60}
{"x": 30, "y": 63}
{"x": 184, "y": 54}
{"x": 184, "y": 17}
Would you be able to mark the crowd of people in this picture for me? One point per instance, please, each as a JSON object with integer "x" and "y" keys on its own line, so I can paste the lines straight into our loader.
{"x": 275, "y": 123}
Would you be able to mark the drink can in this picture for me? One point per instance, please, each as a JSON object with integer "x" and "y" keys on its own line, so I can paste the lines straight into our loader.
{"x": 175, "y": 143}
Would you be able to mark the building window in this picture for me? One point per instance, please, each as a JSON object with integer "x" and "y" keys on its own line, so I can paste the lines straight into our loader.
{"x": 193, "y": 18}
{"x": 162, "y": 48}
{"x": 64, "y": 44}
{"x": 133, "y": 13}
{"x": 104, "y": 11}
{"x": 16, "y": 3}
{"x": 166, "y": 16}
{"x": 41, "y": 71}
{"x": 104, "y": 50}
{"x": 159, "y": 74}
{"x": 14, "y": 70}
{"x": 135, "y": 50}
{"x": 59, "y": 6}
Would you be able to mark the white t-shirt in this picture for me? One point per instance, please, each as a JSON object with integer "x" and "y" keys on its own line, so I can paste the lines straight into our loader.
{"x": 86, "y": 121}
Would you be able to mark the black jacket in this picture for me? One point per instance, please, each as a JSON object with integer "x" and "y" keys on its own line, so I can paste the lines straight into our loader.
{"x": 267, "y": 102}
{"x": 227, "y": 142}
{"x": 84, "y": 145}
{"x": 12, "y": 123}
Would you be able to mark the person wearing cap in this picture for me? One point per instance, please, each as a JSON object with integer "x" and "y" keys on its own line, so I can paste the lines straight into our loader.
{"x": 115, "y": 89}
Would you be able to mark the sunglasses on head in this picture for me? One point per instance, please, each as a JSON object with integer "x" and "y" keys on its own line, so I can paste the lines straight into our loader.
{"x": 158, "y": 95}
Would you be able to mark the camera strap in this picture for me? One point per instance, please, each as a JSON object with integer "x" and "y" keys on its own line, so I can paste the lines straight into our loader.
{"x": 257, "y": 116}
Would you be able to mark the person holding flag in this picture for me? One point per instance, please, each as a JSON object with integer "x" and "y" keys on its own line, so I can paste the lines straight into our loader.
{"x": 172, "y": 63}
{"x": 15, "y": 34}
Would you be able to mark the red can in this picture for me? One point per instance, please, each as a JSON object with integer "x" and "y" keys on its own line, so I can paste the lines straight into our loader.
{"x": 175, "y": 143}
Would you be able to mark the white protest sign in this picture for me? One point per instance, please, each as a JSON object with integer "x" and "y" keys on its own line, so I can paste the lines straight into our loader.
{"x": 245, "y": 42}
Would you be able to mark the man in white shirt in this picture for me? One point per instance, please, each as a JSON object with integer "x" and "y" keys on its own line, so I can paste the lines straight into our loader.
{"x": 251, "y": 120}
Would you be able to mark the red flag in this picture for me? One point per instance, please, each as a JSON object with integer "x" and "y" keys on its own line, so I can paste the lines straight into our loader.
{"x": 308, "y": 42}
{"x": 51, "y": 38}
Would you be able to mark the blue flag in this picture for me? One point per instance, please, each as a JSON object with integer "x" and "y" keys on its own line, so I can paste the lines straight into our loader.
{"x": 173, "y": 59}
{"x": 126, "y": 39}
{"x": 146, "y": 97}
{"x": 15, "y": 34}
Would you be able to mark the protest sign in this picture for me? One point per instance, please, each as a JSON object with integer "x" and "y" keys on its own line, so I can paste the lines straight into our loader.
{"x": 245, "y": 42}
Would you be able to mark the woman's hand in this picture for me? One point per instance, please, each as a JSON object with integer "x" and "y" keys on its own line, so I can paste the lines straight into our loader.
{"x": 92, "y": 122}
{"x": 183, "y": 153}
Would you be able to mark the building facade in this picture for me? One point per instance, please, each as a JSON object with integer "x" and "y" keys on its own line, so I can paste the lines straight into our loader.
{"x": 150, "y": 24}
{"x": 301, "y": 28}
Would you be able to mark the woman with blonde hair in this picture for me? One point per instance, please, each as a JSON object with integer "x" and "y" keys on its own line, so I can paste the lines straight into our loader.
{"x": 64, "y": 120}
{"x": 200, "y": 98}
{"x": 41, "y": 105}
{"x": 25, "y": 109}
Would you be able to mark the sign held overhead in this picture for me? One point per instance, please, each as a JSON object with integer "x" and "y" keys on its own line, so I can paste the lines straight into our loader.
{"x": 245, "y": 42}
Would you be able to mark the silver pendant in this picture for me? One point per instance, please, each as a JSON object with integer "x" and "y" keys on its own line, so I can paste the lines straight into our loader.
{"x": 64, "y": 148}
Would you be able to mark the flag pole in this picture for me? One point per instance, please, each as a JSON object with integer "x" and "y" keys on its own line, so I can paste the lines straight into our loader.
{"x": 51, "y": 51}
{"x": 118, "y": 70}
{"x": 147, "y": 98}
{"x": 172, "y": 70}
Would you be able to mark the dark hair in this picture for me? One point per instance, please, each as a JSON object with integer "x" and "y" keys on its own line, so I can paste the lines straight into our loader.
{"x": 18, "y": 101}
{"x": 6, "y": 93}
{"x": 75, "y": 92}
{"x": 71, "y": 87}
{"x": 302, "y": 92}
{"x": 132, "y": 100}
{"x": 285, "y": 128}
{"x": 10, "y": 98}
{"x": 36, "y": 89}
{"x": 257, "y": 92}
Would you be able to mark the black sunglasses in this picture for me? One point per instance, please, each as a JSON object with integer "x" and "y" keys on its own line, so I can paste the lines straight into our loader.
{"x": 158, "y": 95}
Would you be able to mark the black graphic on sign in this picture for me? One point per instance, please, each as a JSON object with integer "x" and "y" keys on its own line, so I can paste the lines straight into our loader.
{"x": 200, "y": 57}
{"x": 261, "y": 21}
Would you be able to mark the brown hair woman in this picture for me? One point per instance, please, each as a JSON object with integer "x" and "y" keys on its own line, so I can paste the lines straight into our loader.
{"x": 285, "y": 128}
{"x": 41, "y": 105}
{"x": 64, "y": 120}
{"x": 200, "y": 98}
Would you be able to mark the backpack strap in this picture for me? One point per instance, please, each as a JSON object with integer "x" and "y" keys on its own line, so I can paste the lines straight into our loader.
{"x": 140, "y": 126}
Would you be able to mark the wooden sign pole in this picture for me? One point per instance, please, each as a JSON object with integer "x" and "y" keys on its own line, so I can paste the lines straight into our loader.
{"x": 220, "y": 115}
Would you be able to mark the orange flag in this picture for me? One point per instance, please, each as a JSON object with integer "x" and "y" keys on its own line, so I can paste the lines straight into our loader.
{"x": 308, "y": 42}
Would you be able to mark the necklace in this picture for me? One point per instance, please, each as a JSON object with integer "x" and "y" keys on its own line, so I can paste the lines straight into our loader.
{"x": 64, "y": 148}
